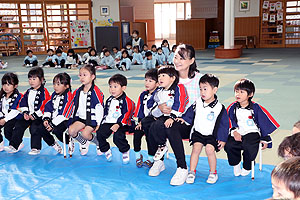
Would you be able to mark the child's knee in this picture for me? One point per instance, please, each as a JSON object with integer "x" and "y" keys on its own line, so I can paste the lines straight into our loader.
{"x": 210, "y": 149}
{"x": 72, "y": 131}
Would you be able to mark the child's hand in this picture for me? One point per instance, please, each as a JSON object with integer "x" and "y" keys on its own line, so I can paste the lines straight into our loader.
{"x": 31, "y": 117}
{"x": 97, "y": 127}
{"x": 180, "y": 120}
{"x": 169, "y": 123}
{"x": 264, "y": 145}
{"x": 115, "y": 127}
{"x": 46, "y": 124}
{"x": 26, "y": 117}
{"x": 237, "y": 136}
{"x": 164, "y": 108}
{"x": 49, "y": 59}
{"x": 2, "y": 122}
{"x": 221, "y": 144}
{"x": 139, "y": 126}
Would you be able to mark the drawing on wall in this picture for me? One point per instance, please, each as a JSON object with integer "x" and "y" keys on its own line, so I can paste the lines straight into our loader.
{"x": 80, "y": 33}
{"x": 104, "y": 10}
{"x": 265, "y": 16}
{"x": 272, "y": 6}
{"x": 244, "y": 5}
{"x": 279, "y": 29}
{"x": 266, "y": 5}
{"x": 279, "y": 5}
{"x": 272, "y": 18}
{"x": 279, "y": 16}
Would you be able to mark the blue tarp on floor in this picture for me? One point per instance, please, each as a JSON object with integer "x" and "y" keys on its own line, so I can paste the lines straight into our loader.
{"x": 50, "y": 176}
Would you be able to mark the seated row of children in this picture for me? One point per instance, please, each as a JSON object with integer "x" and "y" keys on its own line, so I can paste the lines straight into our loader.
{"x": 84, "y": 112}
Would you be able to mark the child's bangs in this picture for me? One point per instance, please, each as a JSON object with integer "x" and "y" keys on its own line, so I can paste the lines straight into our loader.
{"x": 7, "y": 80}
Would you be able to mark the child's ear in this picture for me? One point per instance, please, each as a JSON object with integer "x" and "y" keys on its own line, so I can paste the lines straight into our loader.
{"x": 215, "y": 89}
{"x": 251, "y": 94}
{"x": 124, "y": 88}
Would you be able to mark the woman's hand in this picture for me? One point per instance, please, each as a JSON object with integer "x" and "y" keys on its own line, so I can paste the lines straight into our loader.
{"x": 169, "y": 122}
{"x": 164, "y": 108}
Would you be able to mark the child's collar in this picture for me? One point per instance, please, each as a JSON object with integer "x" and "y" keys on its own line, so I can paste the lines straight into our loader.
{"x": 213, "y": 103}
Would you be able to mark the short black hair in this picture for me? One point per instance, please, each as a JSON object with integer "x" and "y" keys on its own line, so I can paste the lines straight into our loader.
{"x": 136, "y": 47}
{"x": 128, "y": 43}
{"x": 71, "y": 51}
{"x": 59, "y": 47}
{"x": 29, "y": 51}
{"x": 125, "y": 51}
{"x": 63, "y": 78}
{"x": 171, "y": 71}
{"x": 50, "y": 50}
{"x": 136, "y": 31}
{"x": 245, "y": 84}
{"x": 211, "y": 79}
{"x": 152, "y": 74}
{"x": 118, "y": 78}
{"x": 10, "y": 78}
{"x": 90, "y": 52}
{"x": 106, "y": 50}
{"x": 58, "y": 51}
{"x": 148, "y": 53}
{"x": 153, "y": 46}
{"x": 291, "y": 145}
{"x": 36, "y": 72}
{"x": 159, "y": 48}
{"x": 115, "y": 48}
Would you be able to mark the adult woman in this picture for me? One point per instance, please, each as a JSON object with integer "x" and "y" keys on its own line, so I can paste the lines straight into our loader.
{"x": 135, "y": 40}
{"x": 189, "y": 76}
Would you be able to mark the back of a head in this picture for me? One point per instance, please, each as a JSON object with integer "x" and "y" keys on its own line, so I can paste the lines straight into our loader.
{"x": 118, "y": 78}
{"x": 211, "y": 79}
{"x": 288, "y": 173}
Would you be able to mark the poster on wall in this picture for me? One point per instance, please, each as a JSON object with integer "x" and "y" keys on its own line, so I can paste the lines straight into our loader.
{"x": 266, "y": 5}
{"x": 80, "y": 33}
{"x": 279, "y": 5}
{"x": 279, "y": 29}
{"x": 272, "y": 6}
{"x": 272, "y": 18}
{"x": 265, "y": 16}
{"x": 279, "y": 16}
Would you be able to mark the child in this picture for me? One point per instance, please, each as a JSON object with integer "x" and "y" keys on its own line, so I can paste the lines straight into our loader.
{"x": 116, "y": 53}
{"x": 3, "y": 65}
{"x": 137, "y": 58}
{"x": 119, "y": 55}
{"x": 149, "y": 62}
{"x": 165, "y": 48}
{"x": 118, "y": 112}
{"x": 60, "y": 60}
{"x": 50, "y": 59}
{"x": 30, "y": 60}
{"x": 210, "y": 127}
{"x": 145, "y": 49}
{"x": 285, "y": 179}
{"x": 102, "y": 51}
{"x": 86, "y": 55}
{"x": 72, "y": 60}
{"x": 290, "y": 146}
{"x": 176, "y": 97}
{"x": 296, "y": 127}
{"x": 107, "y": 62}
{"x": 93, "y": 58}
{"x": 129, "y": 50}
{"x": 62, "y": 50}
{"x": 171, "y": 55}
{"x": 125, "y": 62}
{"x": 143, "y": 108}
{"x": 9, "y": 103}
{"x": 32, "y": 107}
{"x": 57, "y": 111}
{"x": 87, "y": 110}
{"x": 160, "y": 57}
{"x": 153, "y": 50}
{"x": 251, "y": 124}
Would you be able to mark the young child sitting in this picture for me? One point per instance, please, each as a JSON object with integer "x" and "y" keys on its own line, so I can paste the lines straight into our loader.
{"x": 210, "y": 127}
{"x": 60, "y": 60}
{"x": 145, "y": 50}
{"x": 107, "y": 62}
{"x": 160, "y": 57}
{"x": 296, "y": 127}
{"x": 30, "y": 60}
{"x": 250, "y": 124}
{"x": 62, "y": 50}
{"x": 285, "y": 179}
{"x": 137, "y": 58}
{"x": 93, "y": 58}
{"x": 290, "y": 146}
{"x": 154, "y": 50}
{"x": 9, "y": 103}
{"x": 116, "y": 54}
{"x": 87, "y": 110}
{"x": 57, "y": 112}
{"x": 72, "y": 60}
{"x": 118, "y": 113}
{"x": 50, "y": 59}
{"x": 86, "y": 54}
{"x": 143, "y": 109}
{"x": 125, "y": 62}
{"x": 32, "y": 106}
{"x": 171, "y": 55}
{"x": 3, "y": 65}
{"x": 129, "y": 50}
{"x": 149, "y": 61}
{"x": 165, "y": 46}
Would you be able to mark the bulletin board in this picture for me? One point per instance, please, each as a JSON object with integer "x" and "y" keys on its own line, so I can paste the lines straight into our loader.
{"x": 80, "y": 33}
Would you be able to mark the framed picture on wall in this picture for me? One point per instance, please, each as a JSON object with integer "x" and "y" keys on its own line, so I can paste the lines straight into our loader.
{"x": 104, "y": 10}
{"x": 244, "y": 5}
{"x": 266, "y": 5}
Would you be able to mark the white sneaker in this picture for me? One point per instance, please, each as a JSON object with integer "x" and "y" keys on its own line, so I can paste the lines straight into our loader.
{"x": 237, "y": 170}
{"x": 20, "y": 146}
{"x": 84, "y": 149}
{"x": 58, "y": 66}
{"x": 47, "y": 66}
{"x": 57, "y": 148}
{"x": 108, "y": 155}
{"x": 34, "y": 152}
{"x": 27, "y": 65}
{"x": 191, "y": 177}
{"x": 124, "y": 68}
{"x": 126, "y": 157}
{"x": 212, "y": 178}
{"x": 71, "y": 146}
{"x": 31, "y": 65}
{"x": 10, "y": 149}
{"x": 160, "y": 153}
{"x": 41, "y": 66}
{"x": 158, "y": 166}
{"x": 179, "y": 177}
{"x": 2, "y": 146}
{"x": 99, "y": 152}
{"x": 245, "y": 172}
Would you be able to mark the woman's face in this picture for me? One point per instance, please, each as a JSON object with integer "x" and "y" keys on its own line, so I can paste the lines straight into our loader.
{"x": 182, "y": 64}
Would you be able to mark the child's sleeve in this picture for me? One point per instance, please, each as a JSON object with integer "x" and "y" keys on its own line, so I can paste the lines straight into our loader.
{"x": 99, "y": 110}
{"x": 54, "y": 58}
{"x": 14, "y": 109}
{"x": 111, "y": 62}
{"x": 39, "y": 113}
{"x": 23, "y": 106}
{"x": 189, "y": 114}
{"x": 126, "y": 112}
{"x": 140, "y": 59}
{"x": 139, "y": 107}
{"x": 26, "y": 58}
{"x": 223, "y": 125}
{"x": 232, "y": 118}
{"x": 181, "y": 99}
{"x": 145, "y": 63}
{"x": 48, "y": 110}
